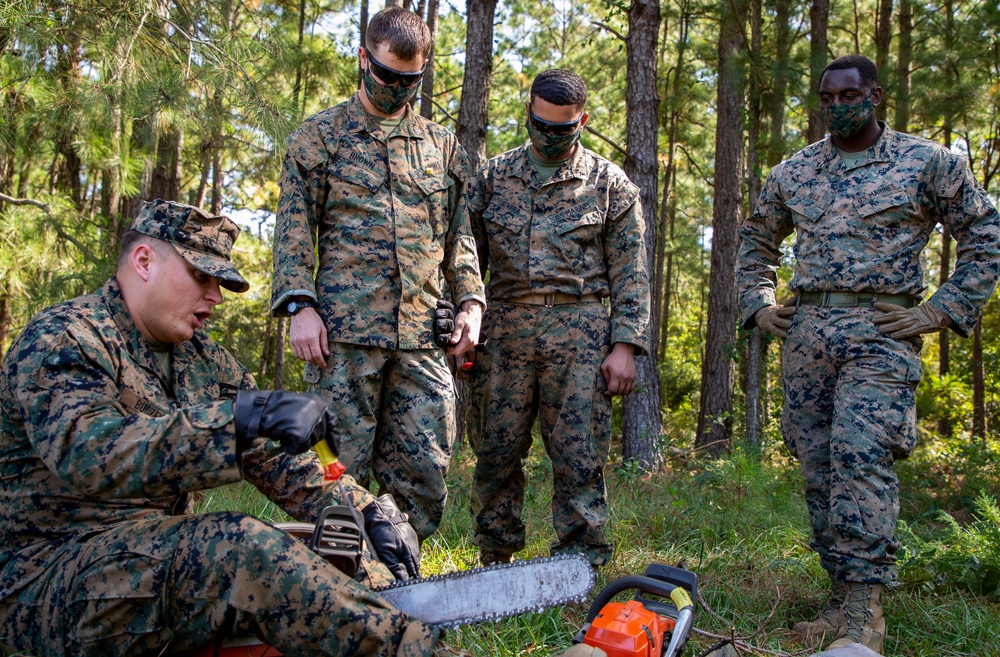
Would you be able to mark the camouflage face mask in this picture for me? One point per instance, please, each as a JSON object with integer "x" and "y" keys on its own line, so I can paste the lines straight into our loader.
{"x": 549, "y": 146}
{"x": 386, "y": 98}
{"x": 846, "y": 120}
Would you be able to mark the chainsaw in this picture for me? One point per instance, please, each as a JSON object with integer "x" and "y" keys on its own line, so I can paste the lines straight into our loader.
{"x": 645, "y": 626}
{"x": 460, "y": 598}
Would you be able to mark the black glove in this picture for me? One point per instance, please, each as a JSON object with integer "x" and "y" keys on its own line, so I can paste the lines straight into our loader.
{"x": 296, "y": 420}
{"x": 393, "y": 539}
{"x": 444, "y": 323}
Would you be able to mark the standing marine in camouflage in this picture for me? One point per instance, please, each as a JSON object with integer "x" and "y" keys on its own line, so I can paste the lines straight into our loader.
{"x": 114, "y": 407}
{"x": 378, "y": 193}
{"x": 560, "y": 229}
{"x": 862, "y": 204}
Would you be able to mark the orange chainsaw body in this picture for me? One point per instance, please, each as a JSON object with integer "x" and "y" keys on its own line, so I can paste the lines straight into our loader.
{"x": 628, "y": 629}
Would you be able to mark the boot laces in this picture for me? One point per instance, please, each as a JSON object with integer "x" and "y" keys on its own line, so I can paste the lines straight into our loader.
{"x": 858, "y": 611}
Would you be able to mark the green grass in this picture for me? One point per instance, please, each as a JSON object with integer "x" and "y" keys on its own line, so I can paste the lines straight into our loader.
{"x": 740, "y": 523}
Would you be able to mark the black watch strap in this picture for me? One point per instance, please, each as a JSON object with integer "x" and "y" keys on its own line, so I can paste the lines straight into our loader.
{"x": 296, "y": 305}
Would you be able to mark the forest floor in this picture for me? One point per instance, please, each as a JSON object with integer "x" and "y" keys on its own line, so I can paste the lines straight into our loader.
{"x": 740, "y": 523}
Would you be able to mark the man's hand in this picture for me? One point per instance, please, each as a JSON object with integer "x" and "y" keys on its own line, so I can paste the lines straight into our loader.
{"x": 393, "y": 539}
{"x": 467, "y": 325}
{"x": 775, "y": 319}
{"x": 444, "y": 323}
{"x": 619, "y": 369}
{"x": 296, "y": 420}
{"x": 308, "y": 337}
{"x": 901, "y": 323}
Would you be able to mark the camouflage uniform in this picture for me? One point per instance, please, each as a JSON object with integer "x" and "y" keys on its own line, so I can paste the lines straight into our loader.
{"x": 849, "y": 388}
{"x": 578, "y": 233}
{"x": 99, "y": 552}
{"x": 387, "y": 215}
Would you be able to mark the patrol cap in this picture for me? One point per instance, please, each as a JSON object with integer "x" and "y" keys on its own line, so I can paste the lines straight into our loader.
{"x": 201, "y": 239}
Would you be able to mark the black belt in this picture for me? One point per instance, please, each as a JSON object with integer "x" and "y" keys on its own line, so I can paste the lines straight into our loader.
{"x": 853, "y": 299}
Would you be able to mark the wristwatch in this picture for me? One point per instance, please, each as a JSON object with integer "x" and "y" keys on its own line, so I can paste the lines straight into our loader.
{"x": 295, "y": 306}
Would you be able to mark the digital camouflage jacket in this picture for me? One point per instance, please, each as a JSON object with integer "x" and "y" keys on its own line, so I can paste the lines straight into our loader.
{"x": 387, "y": 215}
{"x": 91, "y": 434}
{"x": 862, "y": 228}
{"x": 579, "y": 232}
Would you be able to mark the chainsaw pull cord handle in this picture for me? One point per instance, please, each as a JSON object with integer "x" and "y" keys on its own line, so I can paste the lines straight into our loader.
{"x": 332, "y": 471}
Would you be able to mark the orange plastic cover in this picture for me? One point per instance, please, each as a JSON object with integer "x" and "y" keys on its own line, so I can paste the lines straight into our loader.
{"x": 628, "y": 630}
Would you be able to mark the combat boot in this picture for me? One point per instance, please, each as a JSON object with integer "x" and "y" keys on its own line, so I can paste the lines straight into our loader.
{"x": 830, "y": 618}
{"x": 491, "y": 557}
{"x": 863, "y": 620}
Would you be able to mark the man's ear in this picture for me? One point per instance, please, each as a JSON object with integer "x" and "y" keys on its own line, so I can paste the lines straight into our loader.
{"x": 876, "y": 95}
{"x": 142, "y": 259}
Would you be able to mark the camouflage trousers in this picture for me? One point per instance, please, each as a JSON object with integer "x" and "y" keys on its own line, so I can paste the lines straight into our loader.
{"x": 545, "y": 363}
{"x": 395, "y": 414}
{"x": 849, "y": 413}
{"x": 182, "y": 582}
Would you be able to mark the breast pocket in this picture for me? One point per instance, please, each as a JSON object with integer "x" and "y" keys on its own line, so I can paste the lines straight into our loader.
{"x": 808, "y": 207}
{"x": 888, "y": 207}
{"x": 505, "y": 224}
{"x": 579, "y": 238}
{"x": 431, "y": 191}
{"x": 352, "y": 184}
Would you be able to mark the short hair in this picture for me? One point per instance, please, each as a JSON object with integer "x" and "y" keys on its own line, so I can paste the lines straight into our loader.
{"x": 405, "y": 32}
{"x": 132, "y": 239}
{"x": 560, "y": 87}
{"x": 866, "y": 68}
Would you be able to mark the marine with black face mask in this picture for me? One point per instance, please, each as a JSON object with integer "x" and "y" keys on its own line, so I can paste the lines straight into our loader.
{"x": 560, "y": 230}
{"x": 863, "y": 204}
{"x": 377, "y": 193}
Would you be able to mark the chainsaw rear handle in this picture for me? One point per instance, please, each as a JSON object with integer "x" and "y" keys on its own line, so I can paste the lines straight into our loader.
{"x": 643, "y": 584}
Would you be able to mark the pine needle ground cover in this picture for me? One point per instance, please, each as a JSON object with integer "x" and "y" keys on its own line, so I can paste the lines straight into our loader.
{"x": 740, "y": 523}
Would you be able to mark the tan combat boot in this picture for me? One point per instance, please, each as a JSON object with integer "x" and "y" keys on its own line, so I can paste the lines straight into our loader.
{"x": 830, "y": 618}
{"x": 863, "y": 620}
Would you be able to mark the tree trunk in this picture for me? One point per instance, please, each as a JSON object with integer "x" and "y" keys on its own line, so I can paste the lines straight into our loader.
{"x": 944, "y": 338}
{"x": 427, "y": 90}
{"x": 268, "y": 346}
{"x": 297, "y": 87}
{"x": 883, "y": 37}
{"x": 169, "y": 169}
{"x": 279, "y": 354}
{"x": 774, "y": 99}
{"x": 217, "y": 179}
{"x": 715, "y": 414}
{"x": 754, "y": 354}
{"x": 5, "y": 317}
{"x": 661, "y": 273}
{"x": 819, "y": 16}
{"x": 472, "y": 114}
{"x": 902, "y": 118}
{"x": 364, "y": 33}
{"x": 642, "y": 415}
{"x": 978, "y": 385}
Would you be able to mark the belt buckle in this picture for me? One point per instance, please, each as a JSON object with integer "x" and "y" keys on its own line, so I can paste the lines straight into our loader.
{"x": 549, "y": 299}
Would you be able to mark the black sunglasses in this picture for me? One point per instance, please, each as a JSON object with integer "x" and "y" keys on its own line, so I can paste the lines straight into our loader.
{"x": 558, "y": 129}
{"x": 392, "y": 77}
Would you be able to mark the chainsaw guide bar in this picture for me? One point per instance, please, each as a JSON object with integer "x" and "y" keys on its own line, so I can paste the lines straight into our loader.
{"x": 493, "y": 592}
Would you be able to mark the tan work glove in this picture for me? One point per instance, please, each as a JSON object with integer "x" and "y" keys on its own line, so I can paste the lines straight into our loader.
{"x": 775, "y": 319}
{"x": 900, "y": 323}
